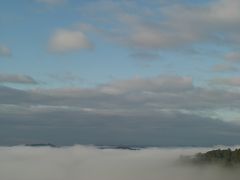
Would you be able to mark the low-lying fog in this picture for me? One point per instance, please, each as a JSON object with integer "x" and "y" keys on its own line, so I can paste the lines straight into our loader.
{"x": 90, "y": 163}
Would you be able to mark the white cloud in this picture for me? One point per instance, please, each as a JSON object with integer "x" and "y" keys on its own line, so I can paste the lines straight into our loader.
{"x": 64, "y": 41}
{"x": 4, "y": 51}
{"x": 173, "y": 25}
{"x": 89, "y": 163}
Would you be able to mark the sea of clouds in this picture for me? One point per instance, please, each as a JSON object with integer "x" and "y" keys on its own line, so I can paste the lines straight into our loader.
{"x": 91, "y": 163}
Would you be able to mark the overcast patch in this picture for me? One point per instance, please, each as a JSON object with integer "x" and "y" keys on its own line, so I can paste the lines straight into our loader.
{"x": 160, "y": 110}
{"x": 64, "y": 126}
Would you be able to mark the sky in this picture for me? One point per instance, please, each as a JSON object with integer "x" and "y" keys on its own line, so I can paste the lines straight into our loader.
{"x": 126, "y": 72}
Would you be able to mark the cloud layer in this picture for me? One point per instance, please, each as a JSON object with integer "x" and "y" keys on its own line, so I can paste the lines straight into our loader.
{"x": 155, "y": 93}
{"x": 89, "y": 163}
{"x": 157, "y": 111}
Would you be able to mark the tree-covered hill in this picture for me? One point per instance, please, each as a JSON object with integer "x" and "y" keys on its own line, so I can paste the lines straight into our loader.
{"x": 226, "y": 157}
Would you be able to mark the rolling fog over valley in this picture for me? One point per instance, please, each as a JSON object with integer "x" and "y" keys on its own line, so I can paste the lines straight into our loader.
{"x": 119, "y": 89}
{"x": 91, "y": 163}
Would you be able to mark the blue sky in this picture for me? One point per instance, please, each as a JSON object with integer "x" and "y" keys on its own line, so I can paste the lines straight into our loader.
{"x": 107, "y": 57}
{"x": 27, "y": 27}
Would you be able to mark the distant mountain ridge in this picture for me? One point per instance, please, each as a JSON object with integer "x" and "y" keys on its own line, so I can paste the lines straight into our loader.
{"x": 41, "y": 145}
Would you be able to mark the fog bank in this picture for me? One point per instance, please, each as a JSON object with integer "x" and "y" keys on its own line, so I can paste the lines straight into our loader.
{"x": 90, "y": 163}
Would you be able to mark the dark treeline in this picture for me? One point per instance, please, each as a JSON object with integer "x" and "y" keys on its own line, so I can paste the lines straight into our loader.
{"x": 225, "y": 157}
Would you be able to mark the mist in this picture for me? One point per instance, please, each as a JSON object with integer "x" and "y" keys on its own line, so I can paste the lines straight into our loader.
{"x": 91, "y": 163}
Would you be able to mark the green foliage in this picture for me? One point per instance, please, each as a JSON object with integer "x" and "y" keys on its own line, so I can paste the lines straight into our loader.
{"x": 226, "y": 157}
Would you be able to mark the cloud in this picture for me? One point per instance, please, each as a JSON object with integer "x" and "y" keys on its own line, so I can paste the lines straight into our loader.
{"x": 51, "y": 2}
{"x": 64, "y": 41}
{"x": 233, "y": 81}
{"x": 232, "y": 57}
{"x": 89, "y": 163}
{"x": 224, "y": 68}
{"x": 132, "y": 111}
{"x": 135, "y": 95}
{"x": 166, "y": 26}
{"x": 153, "y": 93}
{"x": 164, "y": 83}
{"x": 66, "y": 77}
{"x": 4, "y": 51}
{"x": 17, "y": 78}
{"x": 66, "y": 126}
{"x": 145, "y": 56}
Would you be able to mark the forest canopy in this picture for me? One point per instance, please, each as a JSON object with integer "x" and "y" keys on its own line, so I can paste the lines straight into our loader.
{"x": 225, "y": 157}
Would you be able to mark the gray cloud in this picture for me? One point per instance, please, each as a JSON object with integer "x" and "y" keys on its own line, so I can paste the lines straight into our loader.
{"x": 232, "y": 81}
{"x": 133, "y": 111}
{"x": 232, "y": 57}
{"x": 20, "y": 125}
{"x": 89, "y": 163}
{"x": 17, "y": 78}
{"x": 145, "y": 56}
{"x": 224, "y": 68}
{"x": 5, "y": 51}
{"x": 156, "y": 93}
